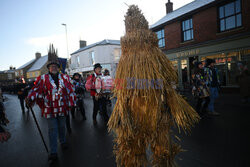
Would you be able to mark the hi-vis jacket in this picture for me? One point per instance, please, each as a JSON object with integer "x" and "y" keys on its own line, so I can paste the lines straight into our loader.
{"x": 53, "y": 101}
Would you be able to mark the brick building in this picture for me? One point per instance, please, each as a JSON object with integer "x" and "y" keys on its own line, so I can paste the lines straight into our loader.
{"x": 217, "y": 29}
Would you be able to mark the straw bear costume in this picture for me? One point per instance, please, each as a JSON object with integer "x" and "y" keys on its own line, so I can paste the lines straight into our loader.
{"x": 147, "y": 106}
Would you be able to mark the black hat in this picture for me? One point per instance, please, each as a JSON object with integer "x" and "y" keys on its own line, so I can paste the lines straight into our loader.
{"x": 209, "y": 61}
{"x": 196, "y": 64}
{"x": 77, "y": 74}
{"x": 52, "y": 57}
{"x": 97, "y": 65}
{"x": 106, "y": 71}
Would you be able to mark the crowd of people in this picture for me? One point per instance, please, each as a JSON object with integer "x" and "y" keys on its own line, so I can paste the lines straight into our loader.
{"x": 57, "y": 94}
{"x": 4, "y": 135}
{"x": 206, "y": 85}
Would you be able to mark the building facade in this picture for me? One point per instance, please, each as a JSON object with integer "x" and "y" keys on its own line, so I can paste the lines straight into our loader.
{"x": 106, "y": 52}
{"x": 38, "y": 68}
{"x": 217, "y": 29}
{"x": 21, "y": 72}
{"x": 7, "y": 77}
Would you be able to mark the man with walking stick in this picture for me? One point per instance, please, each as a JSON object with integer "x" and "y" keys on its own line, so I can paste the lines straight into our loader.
{"x": 54, "y": 94}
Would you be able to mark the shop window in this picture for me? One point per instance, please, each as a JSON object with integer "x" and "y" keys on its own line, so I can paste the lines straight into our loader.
{"x": 187, "y": 30}
{"x": 161, "y": 38}
{"x": 175, "y": 65}
{"x": 230, "y": 16}
{"x": 227, "y": 65}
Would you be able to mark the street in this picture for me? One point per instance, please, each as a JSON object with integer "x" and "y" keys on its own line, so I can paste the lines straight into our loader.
{"x": 215, "y": 141}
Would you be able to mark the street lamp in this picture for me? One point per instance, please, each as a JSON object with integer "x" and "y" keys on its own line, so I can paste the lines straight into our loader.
{"x": 66, "y": 39}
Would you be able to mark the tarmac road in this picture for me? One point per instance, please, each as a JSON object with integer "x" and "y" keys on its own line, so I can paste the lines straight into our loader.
{"x": 216, "y": 141}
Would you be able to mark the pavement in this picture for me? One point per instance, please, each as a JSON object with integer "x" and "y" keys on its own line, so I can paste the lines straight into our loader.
{"x": 214, "y": 141}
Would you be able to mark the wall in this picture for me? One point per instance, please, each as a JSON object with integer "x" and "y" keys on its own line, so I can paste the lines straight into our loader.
{"x": 104, "y": 54}
{"x": 205, "y": 28}
{"x": 33, "y": 74}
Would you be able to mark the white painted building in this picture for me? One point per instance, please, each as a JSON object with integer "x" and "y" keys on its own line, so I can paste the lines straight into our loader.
{"x": 106, "y": 52}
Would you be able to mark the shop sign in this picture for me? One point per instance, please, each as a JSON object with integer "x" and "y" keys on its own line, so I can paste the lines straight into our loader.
{"x": 188, "y": 53}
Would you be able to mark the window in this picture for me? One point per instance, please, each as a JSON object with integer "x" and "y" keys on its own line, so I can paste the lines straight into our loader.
{"x": 78, "y": 61}
{"x": 9, "y": 76}
{"x": 161, "y": 38}
{"x": 36, "y": 74}
{"x": 117, "y": 54}
{"x": 187, "y": 30}
{"x": 92, "y": 57}
{"x": 230, "y": 16}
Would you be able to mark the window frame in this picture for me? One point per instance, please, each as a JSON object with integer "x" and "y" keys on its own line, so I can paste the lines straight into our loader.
{"x": 92, "y": 57}
{"x": 235, "y": 14}
{"x": 78, "y": 61}
{"x": 186, "y": 30}
{"x": 162, "y": 37}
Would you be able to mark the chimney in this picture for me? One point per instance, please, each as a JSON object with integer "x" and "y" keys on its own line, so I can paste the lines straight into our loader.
{"x": 169, "y": 7}
{"x": 38, "y": 55}
{"x": 83, "y": 43}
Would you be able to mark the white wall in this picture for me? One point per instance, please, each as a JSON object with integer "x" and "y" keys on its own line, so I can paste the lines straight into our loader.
{"x": 104, "y": 54}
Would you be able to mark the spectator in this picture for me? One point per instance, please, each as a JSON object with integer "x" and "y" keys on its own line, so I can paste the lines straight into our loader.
{"x": 200, "y": 89}
{"x": 212, "y": 81}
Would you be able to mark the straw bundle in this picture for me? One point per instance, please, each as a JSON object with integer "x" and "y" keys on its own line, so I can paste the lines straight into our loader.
{"x": 147, "y": 105}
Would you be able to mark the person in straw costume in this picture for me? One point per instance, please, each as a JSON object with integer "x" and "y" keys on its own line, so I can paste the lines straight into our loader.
{"x": 147, "y": 105}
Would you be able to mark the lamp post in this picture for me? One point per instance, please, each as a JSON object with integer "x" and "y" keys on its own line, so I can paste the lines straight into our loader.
{"x": 66, "y": 39}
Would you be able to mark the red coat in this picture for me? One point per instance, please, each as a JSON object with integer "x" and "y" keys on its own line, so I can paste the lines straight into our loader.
{"x": 53, "y": 101}
{"x": 90, "y": 84}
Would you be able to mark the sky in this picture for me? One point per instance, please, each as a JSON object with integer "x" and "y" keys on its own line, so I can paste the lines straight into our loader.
{"x": 29, "y": 26}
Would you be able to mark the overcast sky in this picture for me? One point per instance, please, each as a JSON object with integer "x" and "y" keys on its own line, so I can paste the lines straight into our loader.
{"x": 29, "y": 26}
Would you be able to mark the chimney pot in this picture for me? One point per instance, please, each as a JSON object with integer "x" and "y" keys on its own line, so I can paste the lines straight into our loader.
{"x": 169, "y": 7}
{"x": 83, "y": 43}
{"x": 38, "y": 55}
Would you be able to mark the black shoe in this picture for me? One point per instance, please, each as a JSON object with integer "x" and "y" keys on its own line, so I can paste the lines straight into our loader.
{"x": 64, "y": 146}
{"x": 69, "y": 131}
{"x": 53, "y": 157}
{"x": 94, "y": 122}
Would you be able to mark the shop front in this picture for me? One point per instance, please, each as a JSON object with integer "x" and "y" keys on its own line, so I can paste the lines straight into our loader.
{"x": 226, "y": 53}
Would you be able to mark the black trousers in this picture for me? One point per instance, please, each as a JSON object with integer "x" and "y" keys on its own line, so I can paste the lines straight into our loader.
{"x": 80, "y": 105}
{"x": 202, "y": 109}
{"x": 22, "y": 103}
{"x": 100, "y": 105}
